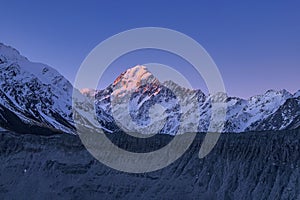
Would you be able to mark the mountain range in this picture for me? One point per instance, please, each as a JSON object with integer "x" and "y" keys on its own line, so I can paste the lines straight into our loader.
{"x": 35, "y": 98}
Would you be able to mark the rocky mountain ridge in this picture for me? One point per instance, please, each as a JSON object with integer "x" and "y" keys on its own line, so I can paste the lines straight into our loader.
{"x": 35, "y": 98}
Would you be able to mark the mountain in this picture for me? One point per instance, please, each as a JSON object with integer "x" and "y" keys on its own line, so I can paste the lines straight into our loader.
{"x": 35, "y": 98}
{"x": 274, "y": 110}
{"x": 141, "y": 92}
{"x": 241, "y": 166}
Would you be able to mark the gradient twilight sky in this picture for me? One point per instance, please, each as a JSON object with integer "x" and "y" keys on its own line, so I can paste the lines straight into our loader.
{"x": 255, "y": 44}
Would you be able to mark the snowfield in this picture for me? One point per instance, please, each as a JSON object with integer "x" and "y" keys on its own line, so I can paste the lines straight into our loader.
{"x": 35, "y": 98}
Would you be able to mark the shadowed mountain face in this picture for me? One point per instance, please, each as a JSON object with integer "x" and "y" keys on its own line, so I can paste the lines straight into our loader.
{"x": 264, "y": 165}
{"x": 35, "y": 98}
{"x": 274, "y": 110}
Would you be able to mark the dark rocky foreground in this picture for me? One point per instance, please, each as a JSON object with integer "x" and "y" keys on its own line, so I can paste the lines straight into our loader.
{"x": 241, "y": 166}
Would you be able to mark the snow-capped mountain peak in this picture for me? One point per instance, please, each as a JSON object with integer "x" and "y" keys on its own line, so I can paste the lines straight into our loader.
{"x": 297, "y": 94}
{"x": 8, "y": 53}
{"x": 132, "y": 79}
{"x": 33, "y": 94}
{"x": 242, "y": 115}
{"x": 35, "y": 98}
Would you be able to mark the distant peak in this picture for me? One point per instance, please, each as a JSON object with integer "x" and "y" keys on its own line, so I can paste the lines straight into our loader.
{"x": 297, "y": 94}
{"x": 10, "y": 53}
{"x": 134, "y": 77}
{"x": 282, "y": 92}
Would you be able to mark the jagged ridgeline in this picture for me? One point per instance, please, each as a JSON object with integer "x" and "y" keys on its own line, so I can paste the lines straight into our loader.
{"x": 257, "y": 158}
{"x": 35, "y": 98}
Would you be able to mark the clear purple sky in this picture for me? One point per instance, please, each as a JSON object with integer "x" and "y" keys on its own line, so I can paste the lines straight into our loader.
{"x": 256, "y": 45}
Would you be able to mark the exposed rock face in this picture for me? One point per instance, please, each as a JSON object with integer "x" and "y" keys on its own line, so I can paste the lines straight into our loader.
{"x": 274, "y": 110}
{"x": 35, "y": 98}
{"x": 264, "y": 165}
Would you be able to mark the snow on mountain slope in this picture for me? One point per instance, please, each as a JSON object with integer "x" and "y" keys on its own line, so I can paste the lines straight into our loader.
{"x": 35, "y": 98}
{"x": 297, "y": 94}
{"x": 33, "y": 95}
{"x": 256, "y": 113}
{"x": 251, "y": 114}
{"x": 262, "y": 106}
